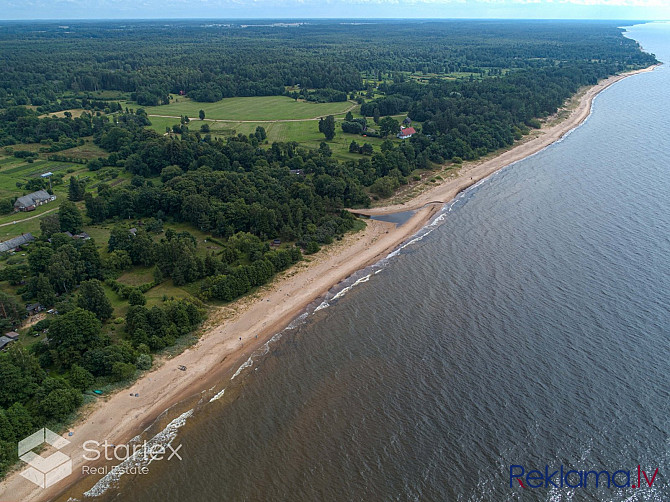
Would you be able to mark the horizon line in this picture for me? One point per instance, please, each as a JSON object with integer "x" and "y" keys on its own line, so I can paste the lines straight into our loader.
{"x": 242, "y": 18}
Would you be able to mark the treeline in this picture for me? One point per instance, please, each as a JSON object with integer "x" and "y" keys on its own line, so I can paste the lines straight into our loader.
{"x": 93, "y": 105}
{"x": 23, "y": 125}
{"x": 319, "y": 95}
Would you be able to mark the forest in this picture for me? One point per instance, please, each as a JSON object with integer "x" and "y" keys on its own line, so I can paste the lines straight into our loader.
{"x": 42, "y": 62}
{"x": 471, "y": 88}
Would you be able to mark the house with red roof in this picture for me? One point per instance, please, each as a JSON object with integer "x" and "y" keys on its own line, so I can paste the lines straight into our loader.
{"x": 406, "y": 132}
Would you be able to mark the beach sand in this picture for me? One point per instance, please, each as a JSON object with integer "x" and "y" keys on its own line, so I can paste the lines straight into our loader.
{"x": 119, "y": 417}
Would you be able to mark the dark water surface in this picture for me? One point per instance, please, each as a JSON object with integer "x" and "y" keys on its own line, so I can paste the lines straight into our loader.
{"x": 530, "y": 327}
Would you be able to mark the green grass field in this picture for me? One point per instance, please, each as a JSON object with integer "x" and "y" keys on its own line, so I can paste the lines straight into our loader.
{"x": 254, "y": 108}
{"x": 304, "y": 132}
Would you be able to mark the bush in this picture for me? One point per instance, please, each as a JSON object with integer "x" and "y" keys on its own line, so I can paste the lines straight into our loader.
{"x": 80, "y": 378}
{"x": 534, "y": 123}
{"x": 143, "y": 362}
{"x": 123, "y": 371}
{"x": 312, "y": 247}
{"x": 136, "y": 297}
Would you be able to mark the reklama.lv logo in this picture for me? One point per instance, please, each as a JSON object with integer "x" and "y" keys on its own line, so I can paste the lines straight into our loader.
{"x": 579, "y": 479}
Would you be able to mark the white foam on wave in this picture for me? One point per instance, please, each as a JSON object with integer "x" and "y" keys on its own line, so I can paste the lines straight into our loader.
{"x": 294, "y": 324}
{"x": 425, "y": 231}
{"x": 266, "y": 346}
{"x": 433, "y": 224}
{"x": 164, "y": 438}
{"x": 324, "y": 305}
{"x": 249, "y": 362}
{"x": 217, "y": 396}
{"x": 344, "y": 291}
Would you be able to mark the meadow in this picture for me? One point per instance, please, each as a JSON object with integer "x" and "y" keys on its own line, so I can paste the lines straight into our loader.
{"x": 247, "y": 108}
{"x": 285, "y": 127}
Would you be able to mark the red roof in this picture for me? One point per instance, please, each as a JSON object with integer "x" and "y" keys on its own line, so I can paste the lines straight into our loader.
{"x": 407, "y": 131}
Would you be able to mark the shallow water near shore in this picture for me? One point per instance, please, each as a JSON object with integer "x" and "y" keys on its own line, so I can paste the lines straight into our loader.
{"x": 529, "y": 325}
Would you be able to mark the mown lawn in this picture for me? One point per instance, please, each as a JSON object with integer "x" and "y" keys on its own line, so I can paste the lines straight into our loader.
{"x": 253, "y": 108}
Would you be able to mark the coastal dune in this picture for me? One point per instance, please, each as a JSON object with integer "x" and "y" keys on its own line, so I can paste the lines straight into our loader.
{"x": 236, "y": 331}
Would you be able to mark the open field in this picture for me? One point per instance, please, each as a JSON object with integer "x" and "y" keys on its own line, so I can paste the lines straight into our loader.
{"x": 304, "y": 132}
{"x": 88, "y": 151}
{"x": 76, "y": 112}
{"x": 283, "y": 119}
{"x": 253, "y": 108}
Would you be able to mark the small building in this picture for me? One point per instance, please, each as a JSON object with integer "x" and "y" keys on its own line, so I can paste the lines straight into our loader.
{"x": 16, "y": 242}
{"x": 34, "y": 308}
{"x": 276, "y": 243}
{"x": 12, "y": 335}
{"x": 83, "y": 236}
{"x": 407, "y": 121}
{"x": 133, "y": 231}
{"x": 299, "y": 172}
{"x": 46, "y": 175}
{"x": 4, "y": 342}
{"x": 32, "y": 200}
{"x": 406, "y": 132}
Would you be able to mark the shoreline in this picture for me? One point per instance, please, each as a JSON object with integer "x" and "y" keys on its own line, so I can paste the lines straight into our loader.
{"x": 256, "y": 319}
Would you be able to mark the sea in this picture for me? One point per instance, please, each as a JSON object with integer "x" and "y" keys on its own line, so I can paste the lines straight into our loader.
{"x": 522, "y": 334}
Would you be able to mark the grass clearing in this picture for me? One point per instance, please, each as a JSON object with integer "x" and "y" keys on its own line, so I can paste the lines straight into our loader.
{"x": 76, "y": 112}
{"x": 252, "y": 108}
{"x": 306, "y": 133}
{"x": 283, "y": 119}
{"x": 88, "y": 151}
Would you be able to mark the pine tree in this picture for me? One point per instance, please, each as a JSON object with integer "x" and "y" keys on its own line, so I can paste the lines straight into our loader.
{"x": 76, "y": 190}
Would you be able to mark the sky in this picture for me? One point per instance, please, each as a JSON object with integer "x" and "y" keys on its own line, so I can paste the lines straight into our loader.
{"x": 295, "y": 9}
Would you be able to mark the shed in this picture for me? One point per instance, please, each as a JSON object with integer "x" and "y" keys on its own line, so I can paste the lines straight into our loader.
{"x": 34, "y": 308}
{"x": 4, "y": 342}
{"x": 16, "y": 242}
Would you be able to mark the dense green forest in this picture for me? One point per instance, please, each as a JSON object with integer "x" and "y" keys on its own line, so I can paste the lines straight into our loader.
{"x": 471, "y": 87}
{"x": 42, "y": 61}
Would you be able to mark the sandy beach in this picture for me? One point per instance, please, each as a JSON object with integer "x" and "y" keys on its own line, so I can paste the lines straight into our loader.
{"x": 233, "y": 332}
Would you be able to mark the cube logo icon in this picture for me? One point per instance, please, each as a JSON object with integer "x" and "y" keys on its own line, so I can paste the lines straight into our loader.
{"x": 45, "y": 471}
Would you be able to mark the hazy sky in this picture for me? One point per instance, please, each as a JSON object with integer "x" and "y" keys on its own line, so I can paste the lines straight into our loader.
{"x": 548, "y": 9}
